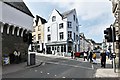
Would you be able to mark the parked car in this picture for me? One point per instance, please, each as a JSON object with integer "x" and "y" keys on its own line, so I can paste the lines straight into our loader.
{"x": 79, "y": 54}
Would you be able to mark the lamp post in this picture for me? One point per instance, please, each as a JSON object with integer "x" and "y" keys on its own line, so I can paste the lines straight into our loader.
{"x": 114, "y": 54}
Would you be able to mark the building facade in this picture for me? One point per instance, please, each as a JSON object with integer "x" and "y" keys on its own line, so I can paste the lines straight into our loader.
{"x": 92, "y": 44}
{"x": 85, "y": 44}
{"x": 15, "y": 21}
{"x": 61, "y": 33}
{"x": 116, "y": 24}
{"x": 38, "y": 32}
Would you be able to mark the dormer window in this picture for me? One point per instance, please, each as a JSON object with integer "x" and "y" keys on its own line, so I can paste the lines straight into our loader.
{"x": 53, "y": 18}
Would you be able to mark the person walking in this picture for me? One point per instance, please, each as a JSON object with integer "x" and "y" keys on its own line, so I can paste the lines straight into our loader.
{"x": 94, "y": 58}
{"x": 103, "y": 59}
{"x": 107, "y": 54}
{"x": 85, "y": 55}
{"x": 72, "y": 54}
{"x": 16, "y": 57}
{"x": 90, "y": 56}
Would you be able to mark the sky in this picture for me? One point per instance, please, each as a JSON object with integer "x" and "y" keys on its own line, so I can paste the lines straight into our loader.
{"x": 94, "y": 15}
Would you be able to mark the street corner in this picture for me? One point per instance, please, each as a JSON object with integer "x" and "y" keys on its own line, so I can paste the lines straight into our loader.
{"x": 105, "y": 73}
{"x": 35, "y": 65}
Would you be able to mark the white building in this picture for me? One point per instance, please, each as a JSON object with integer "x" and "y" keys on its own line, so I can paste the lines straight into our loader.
{"x": 61, "y": 32}
{"x": 85, "y": 45}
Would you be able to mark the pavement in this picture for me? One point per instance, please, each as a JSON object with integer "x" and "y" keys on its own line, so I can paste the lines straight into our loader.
{"x": 17, "y": 67}
{"x": 106, "y": 72}
{"x": 100, "y": 72}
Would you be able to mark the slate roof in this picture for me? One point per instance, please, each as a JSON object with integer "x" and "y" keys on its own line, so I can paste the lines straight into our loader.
{"x": 20, "y": 6}
{"x": 42, "y": 20}
{"x": 59, "y": 13}
{"x": 65, "y": 14}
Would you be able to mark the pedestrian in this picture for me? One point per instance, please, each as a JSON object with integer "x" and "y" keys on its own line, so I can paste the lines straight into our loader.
{"x": 90, "y": 56}
{"x": 103, "y": 59}
{"x": 19, "y": 57}
{"x": 94, "y": 58}
{"x": 12, "y": 58}
{"x": 85, "y": 55}
{"x": 15, "y": 54}
{"x": 107, "y": 54}
{"x": 75, "y": 56}
{"x": 72, "y": 54}
{"x": 88, "y": 53}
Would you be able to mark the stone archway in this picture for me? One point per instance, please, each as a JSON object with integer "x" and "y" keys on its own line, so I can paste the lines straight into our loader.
{"x": 11, "y": 29}
{"x": 16, "y": 30}
{"x": 1, "y": 26}
{"x": 20, "y": 32}
{"x": 5, "y": 28}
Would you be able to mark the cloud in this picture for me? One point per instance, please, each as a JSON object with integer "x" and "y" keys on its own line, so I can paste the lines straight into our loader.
{"x": 96, "y": 32}
{"x": 89, "y": 14}
{"x": 86, "y": 9}
{"x": 66, "y": 0}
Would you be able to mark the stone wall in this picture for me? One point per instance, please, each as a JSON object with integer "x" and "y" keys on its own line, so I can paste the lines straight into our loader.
{"x": 11, "y": 42}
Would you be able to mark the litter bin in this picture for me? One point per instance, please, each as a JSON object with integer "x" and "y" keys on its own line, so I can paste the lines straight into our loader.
{"x": 31, "y": 58}
{"x": 6, "y": 59}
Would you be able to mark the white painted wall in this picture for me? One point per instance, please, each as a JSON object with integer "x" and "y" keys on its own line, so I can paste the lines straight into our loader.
{"x": 54, "y": 27}
{"x": 16, "y": 17}
{"x": 54, "y": 32}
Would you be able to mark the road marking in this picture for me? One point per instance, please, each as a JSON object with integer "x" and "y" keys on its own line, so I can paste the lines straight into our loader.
{"x": 63, "y": 77}
{"x": 43, "y": 63}
{"x": 35, "y": 70}
{"x": 69, "y": 65}
{"x": 53, "y": 62}
{"x": 41, "y": 72}
{"x": 39, "y": 60}
{"x": 92, "y": 66}
{"x": 48, "y": 73}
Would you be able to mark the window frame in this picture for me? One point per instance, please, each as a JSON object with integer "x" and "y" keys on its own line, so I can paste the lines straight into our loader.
{"x": 69, "y": 24}
{"x": 74, "y": 37}
{"x": 48, "y": 37}
{"x": 74, "y": 17}
{"x": 69, "y": 34}
{"x": 61, "y": 35}
{"x": 53, "y": 18}
{"x": 61, "y": 25}
{"x": 48, "y": 29}
{"x": 39, "y": 36}
{"x": 39, "y": 29}
{"x": 77, "y": 28}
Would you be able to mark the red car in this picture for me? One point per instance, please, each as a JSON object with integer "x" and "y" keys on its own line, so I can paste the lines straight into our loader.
{"x": 78, "y": 54}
